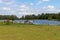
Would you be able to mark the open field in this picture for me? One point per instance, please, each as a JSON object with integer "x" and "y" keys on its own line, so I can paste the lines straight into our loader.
{"x": 29, "y": 32}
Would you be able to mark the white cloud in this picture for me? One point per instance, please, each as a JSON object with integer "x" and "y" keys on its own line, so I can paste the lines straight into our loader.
{"x": 45, "y": 0}
{"x": 25, "y": 13}
{"x": 50, "y": 8}
{"x": 7, "y": 2}
{"x": 31, "y": 3}
{"x": 26, "y": 8}
{"x": 39, "y": 2}
{"x": 23, "y": 8}
{"x": 1, "y": 1}
{"x": 6, "y": 9}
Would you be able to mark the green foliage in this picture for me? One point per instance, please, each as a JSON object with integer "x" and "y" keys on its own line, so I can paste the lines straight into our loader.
{"x": 10, "y": 17}
{"x": 48, "y": 16}
{"x": 58, "y": 16}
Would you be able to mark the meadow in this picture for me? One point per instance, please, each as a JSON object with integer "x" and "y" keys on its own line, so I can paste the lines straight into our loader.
{"x": 18, "y": 31}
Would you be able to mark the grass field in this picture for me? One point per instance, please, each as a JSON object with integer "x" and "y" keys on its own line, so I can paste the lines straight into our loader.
{"x": 29, "y": 32}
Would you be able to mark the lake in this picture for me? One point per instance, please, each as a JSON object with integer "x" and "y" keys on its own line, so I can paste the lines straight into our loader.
{"x": 41, "y": 22}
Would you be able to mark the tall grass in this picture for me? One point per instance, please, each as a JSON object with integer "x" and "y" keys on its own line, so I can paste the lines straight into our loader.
{"x": 18, "y": 31}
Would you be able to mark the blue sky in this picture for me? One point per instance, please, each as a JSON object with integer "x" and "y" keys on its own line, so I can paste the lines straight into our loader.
{"x": 28, "y": 7}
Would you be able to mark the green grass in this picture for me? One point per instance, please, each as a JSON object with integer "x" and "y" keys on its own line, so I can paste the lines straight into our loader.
{"x": 29, "y": 32}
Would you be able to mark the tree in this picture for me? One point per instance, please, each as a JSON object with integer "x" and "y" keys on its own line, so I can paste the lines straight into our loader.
{"x": 13, "y": 17}
{"x": 58, "y": 16}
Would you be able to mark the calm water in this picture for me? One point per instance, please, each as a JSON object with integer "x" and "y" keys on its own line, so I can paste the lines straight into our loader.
{"x": 40, "y": 22}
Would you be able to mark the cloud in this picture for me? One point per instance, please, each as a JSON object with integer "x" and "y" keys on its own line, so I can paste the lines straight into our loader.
{"x": 7, "y": 2}
{"x": 0, "y": 1}
{"x": 25, "y": 10}
{"x": 23, "y": 6}
{"x": 45, "y": 0}
{"x": 20, "y": 9}
{"x": 6, "y": 9}
{"x": 31, "y": 3}
{"x": 39, "y": 2}
{"x": 50, "y": 8}
{"x": 25, "y": 13}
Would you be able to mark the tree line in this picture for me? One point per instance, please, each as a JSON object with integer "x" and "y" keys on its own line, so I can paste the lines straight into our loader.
{"x": 47, "y": 16}
{"x": 10, "y": 17}
{"x": 44, "y": 16}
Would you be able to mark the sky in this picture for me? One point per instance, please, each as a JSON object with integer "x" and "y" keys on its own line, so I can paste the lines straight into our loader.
{"x": 28, "y": 7}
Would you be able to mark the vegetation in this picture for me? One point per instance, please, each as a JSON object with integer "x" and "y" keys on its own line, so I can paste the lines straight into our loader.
{"x": 47, "y": 16}
{"x": 29, "y": 32}
{"x": 10, "y": 17}
{"x": 44, "y": 16}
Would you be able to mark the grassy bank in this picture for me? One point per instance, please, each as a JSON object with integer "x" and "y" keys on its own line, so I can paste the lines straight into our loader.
{"x": 29, "y": 32}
